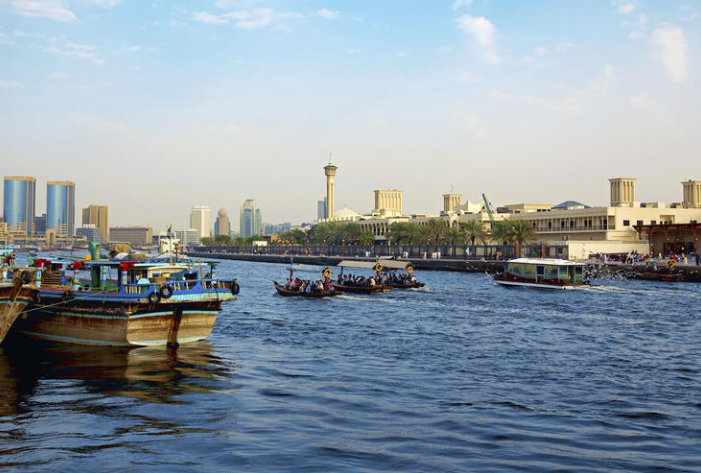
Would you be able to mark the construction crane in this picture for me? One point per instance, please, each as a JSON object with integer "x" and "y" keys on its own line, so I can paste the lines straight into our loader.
{"x": 489, "y": 211}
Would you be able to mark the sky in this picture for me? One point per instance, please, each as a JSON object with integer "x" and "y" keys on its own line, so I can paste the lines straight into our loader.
{"x": 152, "y": 107}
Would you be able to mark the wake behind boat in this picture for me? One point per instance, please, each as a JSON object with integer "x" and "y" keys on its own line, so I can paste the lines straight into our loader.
{"x": 542, "y": 273}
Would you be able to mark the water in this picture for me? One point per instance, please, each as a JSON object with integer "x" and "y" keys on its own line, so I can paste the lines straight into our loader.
{"x": 461, "y": 376}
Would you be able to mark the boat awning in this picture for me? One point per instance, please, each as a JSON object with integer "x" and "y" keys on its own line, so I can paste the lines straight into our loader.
{"x": 357, "y": 264}
{"x": 308, "y": 268}
{"x": 546, "y": 261}
{"x": 394, "y": 265}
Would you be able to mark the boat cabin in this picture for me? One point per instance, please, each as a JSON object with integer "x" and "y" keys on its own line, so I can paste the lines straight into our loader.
{"x": 542, "y": 272}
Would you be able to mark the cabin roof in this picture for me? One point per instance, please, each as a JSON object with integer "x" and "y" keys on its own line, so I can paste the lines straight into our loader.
{"x": 545, "y": 261}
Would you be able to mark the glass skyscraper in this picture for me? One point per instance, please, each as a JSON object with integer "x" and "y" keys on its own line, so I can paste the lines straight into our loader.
{"x": 60, "y": 207}
{"x": 251, "y": 219}
{"x": 19, "y": 203}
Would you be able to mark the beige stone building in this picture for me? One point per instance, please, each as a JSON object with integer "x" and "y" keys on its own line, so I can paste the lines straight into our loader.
{"x": 97, "y": 215}
{"x": 139, "y": 236}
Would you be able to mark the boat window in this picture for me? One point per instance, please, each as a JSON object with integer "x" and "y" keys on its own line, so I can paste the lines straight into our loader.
{"x": 563, "y": 272}
{"x": 550, "y": 272}
{"x": 540, "y": 270}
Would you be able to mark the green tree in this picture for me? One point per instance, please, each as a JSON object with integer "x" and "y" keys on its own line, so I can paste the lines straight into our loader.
{"x": 454, "y": 236}
{"x": 521, "y": 232}
{"x": 436, "y": 230}
{"x": 366, "y": 238}
{"x": 474, "y": 231}
{"x": 223, "y": 240}
{"x": 501, "y": 232}
{"x": 207, "y": 241}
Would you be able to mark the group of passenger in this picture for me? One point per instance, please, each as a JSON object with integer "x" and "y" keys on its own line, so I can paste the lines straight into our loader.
{"x": 382, "y": 279}
{"x": 308, "y": 286}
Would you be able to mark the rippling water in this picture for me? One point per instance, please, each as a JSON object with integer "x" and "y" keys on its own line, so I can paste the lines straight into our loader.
{"x": 460, "y": 376}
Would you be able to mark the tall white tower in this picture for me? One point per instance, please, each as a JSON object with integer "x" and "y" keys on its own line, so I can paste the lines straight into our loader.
{"x": 622, "y": 192}
{"x": 199, "y": 220}
{"x": 330, "y": 171}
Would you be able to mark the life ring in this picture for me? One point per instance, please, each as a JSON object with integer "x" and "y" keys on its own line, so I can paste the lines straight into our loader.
{"x": 672, "y": 263}
{"x": 409, "y": 269}
{"x": 377, "y": 268}
{"x": 166, "y": 292}
{"x": 67, "y": 295}
{"x": 154, "y": 297}
{"x": 235, "y": 288}
{"x": 326, "y": 273}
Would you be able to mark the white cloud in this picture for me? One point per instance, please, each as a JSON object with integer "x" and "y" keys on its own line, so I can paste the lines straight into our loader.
{"x": 693, "y": 16}
{"x": 460, "y": 3}
{"x": 483, "y": 32}
{"x": 626, "y": 8}
{"x": 10, "y": 84}
{"x": 401, "y": 54}
{"x": 605, "y": 83}
{"x": 58, "y": 75}
{"x": 671, "y": 50}
{"x": 328, "y": 14}
{"x": 68, "y": 49}
{"x": 247, "y": 19}
{"x": 5, "y": 40}
{"x": 176, "y": 23}
{"x": 205, "y": 17}
{"x": 541, "y": 50}
{"x": 638, "y": 100}
{"x": 130, "y": 49}
{"x": 57, "y": 10}
{"x": 354, "y": 52}
{"x": 466, "y": 76}
{"x": 634, "y": 35}
{"x": 564, "y": 46}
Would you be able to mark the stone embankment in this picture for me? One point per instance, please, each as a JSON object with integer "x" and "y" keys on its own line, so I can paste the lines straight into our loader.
{"x": 595, "y": 270}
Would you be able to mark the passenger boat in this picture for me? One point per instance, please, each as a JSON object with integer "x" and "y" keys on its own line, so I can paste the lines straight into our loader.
{"x": 402, "y": 282}
{"x": 373, "y": 287}
{"x": 14, "y": 299}
{"x": 652, "y": 275}
{"x": 301, "y": 292}
{"x": 542, "y": 273}
{"x": 128, "y": 302}
{"x": 15, "y": 292}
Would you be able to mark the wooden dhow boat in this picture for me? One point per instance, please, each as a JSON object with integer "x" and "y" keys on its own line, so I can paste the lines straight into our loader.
{"x": 15, "y": 292}
{"x": 368, "y": 285}
{"x": 292, "y": 290}
{"x": 128, "y": 302}
{"x": 542, "y": 273}
{"x": 390, "y": 278}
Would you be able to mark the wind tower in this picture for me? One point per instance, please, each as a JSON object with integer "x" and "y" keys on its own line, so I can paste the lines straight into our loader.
{"x": 330, "y": 171}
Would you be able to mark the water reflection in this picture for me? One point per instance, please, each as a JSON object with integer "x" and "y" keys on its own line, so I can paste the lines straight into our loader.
{"x": 156, "y": 375}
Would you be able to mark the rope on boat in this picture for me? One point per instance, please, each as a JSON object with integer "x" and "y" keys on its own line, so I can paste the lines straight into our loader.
{"x": 51, "y": 305}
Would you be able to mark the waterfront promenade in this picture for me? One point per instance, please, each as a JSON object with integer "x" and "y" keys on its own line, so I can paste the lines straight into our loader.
{"x": 596, "y": 268}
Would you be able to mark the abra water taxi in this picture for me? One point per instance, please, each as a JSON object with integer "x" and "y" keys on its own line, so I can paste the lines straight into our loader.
{"x": 303, "y": 288}
{"x": 542, "y": 273}
{"x": 361, "y": 284}
{"x": 128, "y": 302}
{"x": 390, "y": 268}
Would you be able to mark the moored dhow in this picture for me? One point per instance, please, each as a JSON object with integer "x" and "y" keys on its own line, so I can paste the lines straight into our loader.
{"x": 542, "y": 273}
{"x": 128, "y": 302}
{"x": 15, "y": 296}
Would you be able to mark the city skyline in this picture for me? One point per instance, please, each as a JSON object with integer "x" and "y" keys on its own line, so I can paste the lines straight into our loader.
{"x": 247, "y": 98}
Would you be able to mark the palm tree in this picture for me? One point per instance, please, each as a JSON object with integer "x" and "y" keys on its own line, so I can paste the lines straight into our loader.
{"x": 521, "y": 232}
{"x": 436, "y": 230}
{"x": 454, "y": 236}
{"x": 474, "y": 231}
{"x": 367, "y": 238}
{"x": 501, "y": 232}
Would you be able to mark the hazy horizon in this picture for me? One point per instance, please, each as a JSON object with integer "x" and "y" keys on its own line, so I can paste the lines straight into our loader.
{"x": 152, "y": 108}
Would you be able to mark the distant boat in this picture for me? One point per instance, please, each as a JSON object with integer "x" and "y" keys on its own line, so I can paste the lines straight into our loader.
{"x": 300, "y": 291}
{"x": 362, "y": 284}
{"x": 542, "y": 273}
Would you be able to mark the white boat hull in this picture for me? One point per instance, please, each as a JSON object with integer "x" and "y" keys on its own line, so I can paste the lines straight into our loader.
{"x": 536, "y": 285}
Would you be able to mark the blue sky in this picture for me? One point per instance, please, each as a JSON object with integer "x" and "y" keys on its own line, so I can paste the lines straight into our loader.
{"x": 153, "y": 107}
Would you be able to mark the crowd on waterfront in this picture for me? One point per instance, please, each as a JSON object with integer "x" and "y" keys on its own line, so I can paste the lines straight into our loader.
{"x": 634, "y": 257}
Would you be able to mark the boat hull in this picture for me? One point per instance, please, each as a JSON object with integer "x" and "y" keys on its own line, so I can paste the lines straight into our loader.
{"x": 413, "y": 285}
{"x": 137, "y": 324}
{"x": 14, "y": 299}
{"x": 507, "y": 283}
{"x": 378, "y": 288}
{"x": 315, "y": 294}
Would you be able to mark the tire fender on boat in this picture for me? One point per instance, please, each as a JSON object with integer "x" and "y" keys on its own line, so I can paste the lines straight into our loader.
{"x": 166, "y": 292}
{"x": 326, "y": 273}
{"x": 235, "y": 288}
{"x": 672, "y": 263}
{"x": 154, "y": 297}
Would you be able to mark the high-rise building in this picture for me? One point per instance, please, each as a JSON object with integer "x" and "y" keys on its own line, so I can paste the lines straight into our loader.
{"x": 199, "y": 220}
{"x": 330, "y": 172}
{"x": 90, "y": 232}
{"x": 40, "y": 224}
{"x": 251, "y": 219}
{"x": 187, "y": 237}
{"x": 97, "y": 215}
{"x": 19, "y": 204}
{"x": 60, "y": 207}
{"x": 222, "y": 225}
{"x": 139, "y": 236}
{"x": 321, "y": 209}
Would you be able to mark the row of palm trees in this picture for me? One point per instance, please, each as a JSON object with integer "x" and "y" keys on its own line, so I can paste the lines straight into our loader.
{"x": 438, "y": 232}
